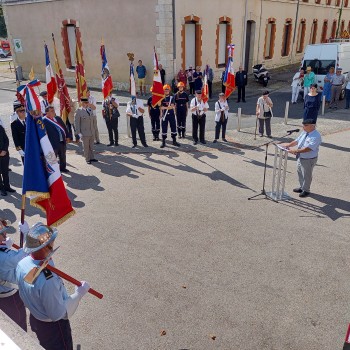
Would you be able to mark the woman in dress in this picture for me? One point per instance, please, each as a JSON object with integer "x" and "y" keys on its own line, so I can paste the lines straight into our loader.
{"x": 181, "y": 77}
{"x": 197, "y": 77}
{"x": 312, "y": 104}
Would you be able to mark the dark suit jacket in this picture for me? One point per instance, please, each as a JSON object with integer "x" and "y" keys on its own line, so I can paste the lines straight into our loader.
{"x": 4, "y": 140}
{"x": 18, "y": 134}
{"x": 241, "y": 78}
{"x": 53, "y": 134}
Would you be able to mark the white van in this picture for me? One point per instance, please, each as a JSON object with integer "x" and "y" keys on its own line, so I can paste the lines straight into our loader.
{"x": 323, "y": 56}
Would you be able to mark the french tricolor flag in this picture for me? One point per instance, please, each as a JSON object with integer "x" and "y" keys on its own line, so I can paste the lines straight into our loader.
{"x": 107, "y": 83}
{"x": 51, "y": 84}
{"x": 229, "y": 77}
{"x": 132, "y": 81}
{"x": 42, "y": 181}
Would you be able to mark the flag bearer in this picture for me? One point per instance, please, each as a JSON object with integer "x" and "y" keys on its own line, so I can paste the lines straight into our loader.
{"x": 181, "y": 103}
{"x": 154, "y": 114}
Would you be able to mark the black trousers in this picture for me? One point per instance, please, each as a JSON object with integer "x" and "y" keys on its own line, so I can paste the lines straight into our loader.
{"x": 155, "y": 122}
{"x": 61, "y": 155}
{"x": 218, "y": 127}
{"x": 14, "y": 308}
{"x": 198, "y": 123}
{"x": 181, "y": 115}
{"x": 169, "y": 119}
{"x": 4, "y": 171}
{"x": 112, "y": 127}
{"x": 137, "y": 124}
{"x": 267, "y": 124}
{"x": 241, "y": 93}
{"x": 210, "y": 88}
{"x": 52, "y": 335}
{"x": 191, "y": 88}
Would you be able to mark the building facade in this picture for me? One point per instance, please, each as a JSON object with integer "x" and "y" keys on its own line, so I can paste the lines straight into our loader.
{"x": 184, "y": 33}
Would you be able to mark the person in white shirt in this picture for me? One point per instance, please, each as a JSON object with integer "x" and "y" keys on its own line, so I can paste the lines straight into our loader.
{"x": 44, "y": 102}
{"x": 92, "y": 105}
{"x": 264, "y": 113}
{"x": 296, "y": 83}
{"x": 198, "y": 109}
{"x": 135, "y": 110}
{"x": 221, "y": 116}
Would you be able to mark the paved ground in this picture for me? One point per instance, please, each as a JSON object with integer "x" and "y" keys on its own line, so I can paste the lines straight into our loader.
{"x": 171, "y": 240}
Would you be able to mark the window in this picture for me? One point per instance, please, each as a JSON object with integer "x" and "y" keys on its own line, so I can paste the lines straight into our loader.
{"x": 334, "y": 29}
{"x": 324, "y": 31}
{"x": 328, "y": 2}
{"x": 270, "y": 38}
{"x": 319, "y": 66}
{"x": 337, "y": 3}
{"x": 223, "y": 39}
{"x": 191, "y": 44}
{"x": 346, "y": 3}
{"x": 301, "y": 36}
{"x": 286, "y": 39}
{"x": 317, "y": 1}
{"x": 70, "y": 37}
{"x": 313, "y": 35}
{"x": 342, "y": 28}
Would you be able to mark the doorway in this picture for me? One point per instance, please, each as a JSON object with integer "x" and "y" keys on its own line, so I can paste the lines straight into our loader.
{"x": 249, "y": 47}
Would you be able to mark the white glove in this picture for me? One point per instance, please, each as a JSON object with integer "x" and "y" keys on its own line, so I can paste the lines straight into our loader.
{"x": 24, "y": 228}
{"x": 80, "y": 137}
{"x": 83, "y": 289}
{"x": 21, "y": 153}
{"x": 8, "y": 242}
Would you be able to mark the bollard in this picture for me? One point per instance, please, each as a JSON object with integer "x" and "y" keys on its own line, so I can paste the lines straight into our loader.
{"x": 128, "y": 126}
{"x": 323, "y": 104}
{"x": 239, "y": 115}
{"x": 286, "y": 111}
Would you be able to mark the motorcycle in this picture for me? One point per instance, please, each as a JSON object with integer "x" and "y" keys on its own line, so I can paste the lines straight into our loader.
{"x": 261, "y": 74}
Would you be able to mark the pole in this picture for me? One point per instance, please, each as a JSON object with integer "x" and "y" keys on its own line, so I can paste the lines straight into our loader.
{"x": 340, "y": 11}
{"x": 128, "y": 126}
{"x": 286, "y": 111}
{"x": 23, "y": 213}
{"x": 256, "y": 127}
{"x": 239, "y": 115}
{"x": 245, "y": 36}
{"x": 323, "y": 104}
{"x": 295, "y": 30}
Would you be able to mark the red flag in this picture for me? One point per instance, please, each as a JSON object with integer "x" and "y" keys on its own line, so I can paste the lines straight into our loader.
{"x": 347, "y": 340}
{"x": 107, "y": 83}
{"x": 51, "y": 84}
{"x": 157, "y": 88}
{"x": 62, "y": 87}
{"x": 205, "y": 89}
{"x": 80, "y": 75}
{"x": 229, "y": 77}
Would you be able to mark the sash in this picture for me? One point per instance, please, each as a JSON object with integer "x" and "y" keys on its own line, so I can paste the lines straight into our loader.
{"x": 166, "y": 112}
{"x": 56, "y": 125}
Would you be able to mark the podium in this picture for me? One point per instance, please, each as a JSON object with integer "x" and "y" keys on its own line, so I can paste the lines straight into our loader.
{"x": 279, "y": 174}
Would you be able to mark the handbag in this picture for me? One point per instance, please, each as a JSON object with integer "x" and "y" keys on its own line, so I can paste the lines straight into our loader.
{"x": 267, "y": 114}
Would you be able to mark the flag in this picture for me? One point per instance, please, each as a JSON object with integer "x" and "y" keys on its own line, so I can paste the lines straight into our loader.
{"x": 157, "y": 87}
{"x": 27, "y": 96}
{"x": 42, "y": 181}
{"x": 31, "y": 74}
{"x": 347, "y": 340}
{"x": 229, "y": 77}
{"x": 107, "y": 83}
{"x": 205, "y": 89}
{"x": 132, "y": 81}
{"x": 63, "y": 94}
{"x": 51, "y": 84}
{"x": 80, "y": 75}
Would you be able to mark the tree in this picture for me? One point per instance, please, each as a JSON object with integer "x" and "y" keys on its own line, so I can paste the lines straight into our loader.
{"x": 3, "y": 29}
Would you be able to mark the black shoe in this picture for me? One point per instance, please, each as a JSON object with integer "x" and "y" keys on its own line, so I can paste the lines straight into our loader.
{"x": 238, "y": 101}
{"x": 65, "y": 171}
{"x": 3, "y": 193}
{"x": 154, "y": 138}
{"x": 261, "y": 135}
{"x": 163, "y": 144}
{"x": 195, "y": 142}
{"x": 116, "y": 144}
{"x": 203, "y": 142}
{"x": 94, "y": 160}
{"x": 215, "y": 141}
{"x": 175, "y": 143}
{"x": 88, "y": 161}
{"x": 244, "y": 101}
{"x": 9, "y": 189}
{"x": 11, "y": 169}
{"x": 297, "y": 190}
{"x": 270, "y": 136}
{"x": 224, "y": 138}
{"x": 144, "y": 145}
{"x": 110, "y": 144}
{"x": 183, "y": 135}
{"x": 97, "y": 143}
{"x": 134, "y": 146}
{"x": 304, "y": 194}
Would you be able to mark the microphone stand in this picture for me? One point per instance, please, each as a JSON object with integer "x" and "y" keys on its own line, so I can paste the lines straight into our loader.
{"x": 263, "y": 192}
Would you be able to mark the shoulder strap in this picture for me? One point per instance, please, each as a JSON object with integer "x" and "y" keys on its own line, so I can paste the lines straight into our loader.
{"x": 48, "y": 274}
{"x": 219, "y": 104}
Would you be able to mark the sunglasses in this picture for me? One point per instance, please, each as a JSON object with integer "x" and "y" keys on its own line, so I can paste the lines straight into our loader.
{"x": 21, "y": 110}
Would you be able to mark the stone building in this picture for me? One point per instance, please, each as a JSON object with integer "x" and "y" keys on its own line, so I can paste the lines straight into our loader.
{"x": 184, "y": 32}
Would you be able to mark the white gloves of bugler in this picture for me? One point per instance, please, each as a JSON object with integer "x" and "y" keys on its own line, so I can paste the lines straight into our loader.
{"x": 83, "y": 289}
{"x": 73, "y": 300}
{"x": 21, "y": 153}
{"x": 8, "y": 242}
{"x": 24, "y": 228}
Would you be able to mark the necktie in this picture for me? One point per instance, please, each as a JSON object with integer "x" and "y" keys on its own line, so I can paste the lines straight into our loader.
{"x": 302, "y": 144}
{"x": 88, "y": 112}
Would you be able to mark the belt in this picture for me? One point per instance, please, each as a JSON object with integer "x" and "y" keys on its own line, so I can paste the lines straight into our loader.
{"x": 8, "y": 294}
{"x": 308, "y": 158}
{"x": 337, "y": 84}
{"x": 181, "y": 105}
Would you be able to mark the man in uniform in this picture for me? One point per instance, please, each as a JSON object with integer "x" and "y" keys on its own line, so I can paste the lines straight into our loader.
{"x": 181, "y": 107}
{"x": 111, "y": 114}
{"x": 168, "y": 116}
{"x": 198, "y": 109}
{"x": 10, "y": 302}
{"x": 92, "y": 106}
{"x": 4, "y": 163}
{"x": 18, "y": 129}
{"x": 154, "y": 114}
{"x": 84, "y": 126}
{"x": 16, "y": 104}
{"x": 241, "y": 82}
{"x": 135, "y": 110}
{"x": 44, "y": 102}
{"x": 57, "y": 133}
{"x": 46, "y": 297}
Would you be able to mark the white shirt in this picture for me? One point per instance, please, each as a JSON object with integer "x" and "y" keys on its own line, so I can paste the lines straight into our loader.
{"x": 43, "y": 105}
{"x": 138, "y": 105}
{"x": 218, "y": 110}
{"x": 57, "y": 106}
{"x": 201, "y": 105}
{"x": 13, "y": 117}
{"x": 296, "y": 80}
{"x": 92, "y": 100}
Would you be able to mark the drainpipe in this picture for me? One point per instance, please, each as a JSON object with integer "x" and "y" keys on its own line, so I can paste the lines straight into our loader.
{"x": 245, "y": 35}
{"x": 258, "y": 51}
{"x": 174, "y": 37}
{"x": 295, "y": 30}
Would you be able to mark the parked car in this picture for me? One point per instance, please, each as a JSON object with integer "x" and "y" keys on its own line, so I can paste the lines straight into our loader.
{"x": 5, "y": 54}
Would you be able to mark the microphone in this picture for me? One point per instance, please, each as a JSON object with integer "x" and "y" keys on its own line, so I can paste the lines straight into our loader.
{"x": 291, "y": 131}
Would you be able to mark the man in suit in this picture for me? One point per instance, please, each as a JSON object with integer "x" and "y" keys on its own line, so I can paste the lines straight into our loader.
{"x": 57, "y": 133}
{"x": 4, "y": 163}
{"x": 44, "y": 102}
{"x": 241, "y": 82}
{"x": 84, "y": 126}
{"x": 18, "y": 129}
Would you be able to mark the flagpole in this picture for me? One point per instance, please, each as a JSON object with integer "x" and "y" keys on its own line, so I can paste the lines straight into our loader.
{"x": 23, "y": 213}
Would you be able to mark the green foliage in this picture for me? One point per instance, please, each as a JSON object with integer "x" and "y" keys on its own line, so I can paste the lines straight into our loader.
{"x": 3, "y": 30}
